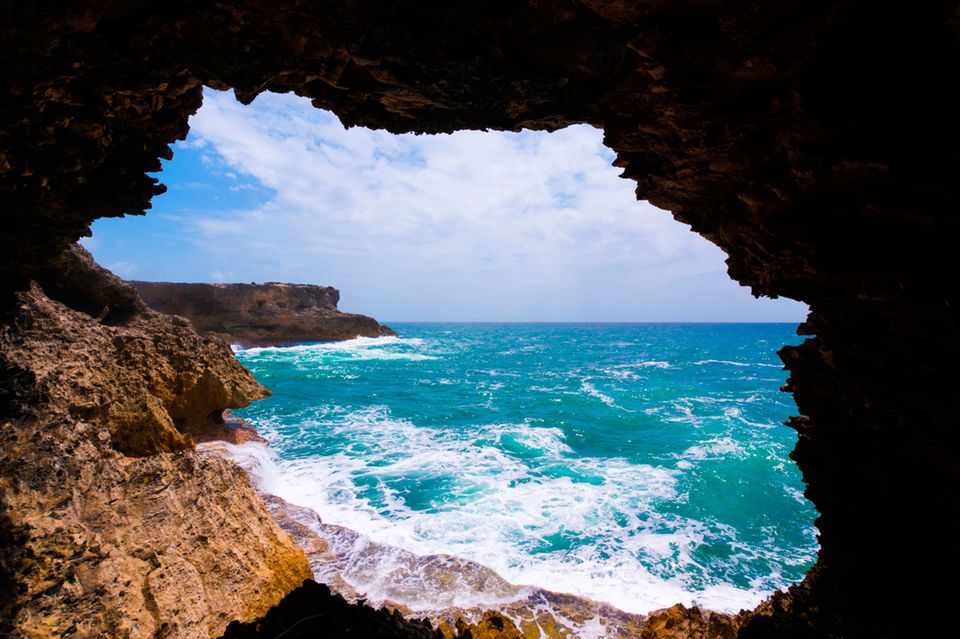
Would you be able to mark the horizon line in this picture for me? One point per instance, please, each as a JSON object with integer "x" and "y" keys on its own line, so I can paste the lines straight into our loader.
{"x": 388, "y": 322}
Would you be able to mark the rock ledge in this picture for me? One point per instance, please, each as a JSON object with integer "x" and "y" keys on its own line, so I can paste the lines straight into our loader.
{"x": 271, "y": 314}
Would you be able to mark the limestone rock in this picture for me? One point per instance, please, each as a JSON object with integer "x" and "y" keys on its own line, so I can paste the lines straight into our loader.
{"x": 492, "y": 625}
{"x": 228, "y": 428}
{"x": 261, "y": 314}
{"x": 120, "y": 529}
{"x": 680, "y": 622}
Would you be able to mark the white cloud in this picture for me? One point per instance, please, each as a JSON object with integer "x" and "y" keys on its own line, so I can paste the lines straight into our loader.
{"x": 215, "y": 227}
{"x": 523, "y": 217}
{"x": 125, "y": 270}
{"x": 90, "y": 243}
{"x": 194, "y": 143}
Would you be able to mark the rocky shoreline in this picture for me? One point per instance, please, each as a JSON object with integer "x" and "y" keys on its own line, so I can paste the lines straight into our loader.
{"x": 503, "y": 610}
{"x": 125, "y": 514}
{"x": 272, "y": 314}
{"x": 814, "y": 143}
{"x": 406, "y": 582}
{"x": 115, "y": 525}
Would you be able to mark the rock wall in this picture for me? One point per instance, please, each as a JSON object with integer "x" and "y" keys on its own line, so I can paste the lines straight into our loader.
{"x": 815, "y": 141}
{"x": 112, "y": 525}
{"x": 261, "y": 314}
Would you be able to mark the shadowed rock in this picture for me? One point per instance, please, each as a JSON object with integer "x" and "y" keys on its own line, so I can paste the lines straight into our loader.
{"x": 816, "y": 143}
{"x": 313, "y": 611}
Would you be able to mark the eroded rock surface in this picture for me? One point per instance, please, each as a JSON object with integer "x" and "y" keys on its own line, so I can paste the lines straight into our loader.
{"x": 118, "y": 527}
{"x": 227, "y": 428}
{"x": 271, "y": 314}
{"x": 680, "y": 622}
{"x": 816, "y": 142}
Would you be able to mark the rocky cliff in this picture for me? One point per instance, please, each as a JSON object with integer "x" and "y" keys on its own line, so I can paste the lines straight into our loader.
{"x": 112, "y": 525}
{"x": 261, "y": 314}
{"x": 815, "y": 141}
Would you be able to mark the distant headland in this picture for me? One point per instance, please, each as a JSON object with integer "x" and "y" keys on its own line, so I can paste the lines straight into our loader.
{"x": 271, "y": 314}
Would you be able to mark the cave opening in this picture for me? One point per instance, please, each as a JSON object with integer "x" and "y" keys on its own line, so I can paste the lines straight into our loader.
{"x": 815, "y": 143}
{"x": 499, "y": 226}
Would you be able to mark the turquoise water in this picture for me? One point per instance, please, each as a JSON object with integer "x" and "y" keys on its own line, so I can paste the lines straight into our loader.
{"x": 638, "y": 464}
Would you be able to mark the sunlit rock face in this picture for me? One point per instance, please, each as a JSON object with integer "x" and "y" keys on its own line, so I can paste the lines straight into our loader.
{"x": 112, "y": 525}
{"x": 815, "y": 142}
{"x": 272, "y": 314}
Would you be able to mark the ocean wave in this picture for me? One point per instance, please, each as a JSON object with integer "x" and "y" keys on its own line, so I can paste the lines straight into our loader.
{"x": 524, "y": 464}
{"x": 441, "y": 587}
{"x": 621, "y": 374}
{"x": 653, "y": 364}
{"x": 718, "y": 448}
{"x": 628, "y": 371}
{"x": 358, "y": 348}
{"x": 520, "y": 494}
{"x": 540, "y": 440}
{"x": 592, "y": 391}
{"x": 727, "y": 362}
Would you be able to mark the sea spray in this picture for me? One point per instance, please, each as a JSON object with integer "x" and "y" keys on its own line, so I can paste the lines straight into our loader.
{"x": 442, "y": 588}
{"x": 642, "y": 465}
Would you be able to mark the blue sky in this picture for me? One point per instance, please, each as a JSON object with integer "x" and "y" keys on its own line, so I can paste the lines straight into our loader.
{"x": 473, "y": 226}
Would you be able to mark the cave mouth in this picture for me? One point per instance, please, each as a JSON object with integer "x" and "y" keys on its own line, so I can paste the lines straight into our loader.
{"x": 696, "y": 501}
{"x": 814, "y": 142}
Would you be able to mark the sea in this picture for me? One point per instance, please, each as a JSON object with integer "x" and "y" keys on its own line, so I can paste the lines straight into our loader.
{"x": 640, "y": 465}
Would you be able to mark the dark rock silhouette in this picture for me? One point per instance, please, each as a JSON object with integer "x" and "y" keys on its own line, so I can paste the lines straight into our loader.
{"x": 313, "y": 611}
{"x": 815, "y": 142}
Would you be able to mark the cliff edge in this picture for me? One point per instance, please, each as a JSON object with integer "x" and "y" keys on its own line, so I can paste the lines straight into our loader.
{"x": 111, "y": 524}
{"x": 272, "y": 314}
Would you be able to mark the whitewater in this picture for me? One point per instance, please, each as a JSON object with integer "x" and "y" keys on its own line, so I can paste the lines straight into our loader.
{"x": 640, "y": 465}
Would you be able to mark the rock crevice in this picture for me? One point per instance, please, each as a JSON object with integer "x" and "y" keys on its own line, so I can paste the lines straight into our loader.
{"x": 815, "y": 142}
{"x": 112, "y": 524}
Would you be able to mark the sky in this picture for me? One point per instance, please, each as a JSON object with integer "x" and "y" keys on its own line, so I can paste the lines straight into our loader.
{"x": 472, "y": 226}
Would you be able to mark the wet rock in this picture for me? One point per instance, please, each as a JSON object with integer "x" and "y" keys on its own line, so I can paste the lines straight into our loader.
{"x": 680, "y": 622}
{"x": 227, "y": 428}
{"x": 492, "y": 625}
{"x": 387, "y": 331}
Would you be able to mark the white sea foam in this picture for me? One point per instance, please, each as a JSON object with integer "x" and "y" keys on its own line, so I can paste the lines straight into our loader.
{"x": 593, "y": 628}
{"x": 592, "y": 391}
{"x": 358, "y": 348}
{"x": 686, "y": 414}
{"x": 621, "y": 374}
{"x": 718, "y": 448}
{"x": 402, "y": 500}
{"x": 707, "y": 399}
{"x": 509, "y": 511}
{"x": 726, "y": 362}
{"x": 628, "y": 372}
{"x": 653, "y": 364}
{"x": 795, "y": 494}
